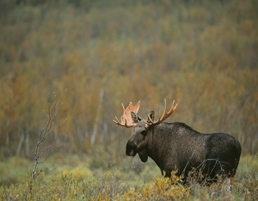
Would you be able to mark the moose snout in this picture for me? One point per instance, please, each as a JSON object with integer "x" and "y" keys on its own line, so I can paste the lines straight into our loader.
{"x": 131, "y": 148}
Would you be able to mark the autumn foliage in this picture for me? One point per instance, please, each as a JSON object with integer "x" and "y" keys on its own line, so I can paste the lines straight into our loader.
{"x": 96, "y": 55}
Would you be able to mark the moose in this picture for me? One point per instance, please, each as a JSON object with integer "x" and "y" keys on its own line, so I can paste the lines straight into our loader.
{"x": 177, "y": 147}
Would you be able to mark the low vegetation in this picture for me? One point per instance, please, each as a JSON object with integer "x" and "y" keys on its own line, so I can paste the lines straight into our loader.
{"x": 76, "y": 178}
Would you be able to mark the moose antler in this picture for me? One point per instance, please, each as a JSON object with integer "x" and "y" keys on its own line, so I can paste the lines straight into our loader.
{"x": 126, "y": 119}
{"x": 164, "y": 115}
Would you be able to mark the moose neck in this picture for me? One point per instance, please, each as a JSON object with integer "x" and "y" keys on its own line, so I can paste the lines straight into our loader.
{"x": 157, "y": 136}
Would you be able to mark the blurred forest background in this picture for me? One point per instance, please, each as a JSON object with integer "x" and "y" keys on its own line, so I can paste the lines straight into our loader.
{"x": 91, "y": 56}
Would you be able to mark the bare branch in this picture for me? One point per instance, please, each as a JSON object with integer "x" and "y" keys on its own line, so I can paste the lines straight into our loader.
{"x": 47, "y": 150}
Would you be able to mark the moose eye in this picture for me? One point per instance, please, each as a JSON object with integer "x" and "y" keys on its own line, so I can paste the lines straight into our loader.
{"x": 144, "y": 132}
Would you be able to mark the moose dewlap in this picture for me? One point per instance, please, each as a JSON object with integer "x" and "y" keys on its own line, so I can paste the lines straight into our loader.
{"x": 178, "y": 147}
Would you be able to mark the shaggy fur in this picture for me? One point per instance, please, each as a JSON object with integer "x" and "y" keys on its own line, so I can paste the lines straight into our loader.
{"x": 177, "y": 147}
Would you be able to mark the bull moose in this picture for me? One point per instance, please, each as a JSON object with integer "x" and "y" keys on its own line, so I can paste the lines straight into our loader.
{"x": 178, "y": 147}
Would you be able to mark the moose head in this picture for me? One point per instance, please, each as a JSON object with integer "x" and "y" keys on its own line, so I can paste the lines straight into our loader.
{"x": 141, "y": 134}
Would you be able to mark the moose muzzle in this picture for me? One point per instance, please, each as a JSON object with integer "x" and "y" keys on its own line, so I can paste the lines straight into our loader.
{"x": 131, "y": 148}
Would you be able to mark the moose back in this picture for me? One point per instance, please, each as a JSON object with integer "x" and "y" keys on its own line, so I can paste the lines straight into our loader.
{"x": 178, "y": 147}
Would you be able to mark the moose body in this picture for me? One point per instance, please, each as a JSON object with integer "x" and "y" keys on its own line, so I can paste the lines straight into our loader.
{"x": 178, "y": 147}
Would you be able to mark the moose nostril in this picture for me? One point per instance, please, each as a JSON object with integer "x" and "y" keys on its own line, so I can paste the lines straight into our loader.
{"x": 132, "y": 144}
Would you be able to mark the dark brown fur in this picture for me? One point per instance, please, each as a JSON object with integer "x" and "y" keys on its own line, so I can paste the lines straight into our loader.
{"x": 177, "y": 147}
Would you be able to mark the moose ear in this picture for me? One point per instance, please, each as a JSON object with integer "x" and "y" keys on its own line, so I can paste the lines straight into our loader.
{"x": 143, "y": 155}
{"x": 151, "y": 116}
{"x": 135, "y": 117}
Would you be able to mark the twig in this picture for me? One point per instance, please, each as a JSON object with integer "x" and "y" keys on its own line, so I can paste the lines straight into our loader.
{"x": 47, "y": 151}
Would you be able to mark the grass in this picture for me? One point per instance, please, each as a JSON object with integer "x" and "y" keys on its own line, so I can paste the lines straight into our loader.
{"x": 74, "y": 178}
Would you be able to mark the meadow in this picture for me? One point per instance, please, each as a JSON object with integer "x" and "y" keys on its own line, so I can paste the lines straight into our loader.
{"x": 67, "y": 65}
{"x": 77, "y": 177}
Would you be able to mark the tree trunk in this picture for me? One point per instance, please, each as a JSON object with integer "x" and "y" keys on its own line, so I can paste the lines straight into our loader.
{"x": 20, "y": 144}
{"x": 27, "y": 143}
{"x": 95, "y": 127}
